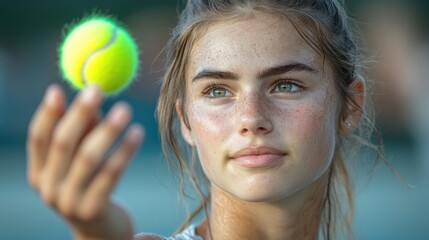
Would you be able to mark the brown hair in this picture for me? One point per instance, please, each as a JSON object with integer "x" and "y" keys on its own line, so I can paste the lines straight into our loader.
{"x": 323, "y": 24}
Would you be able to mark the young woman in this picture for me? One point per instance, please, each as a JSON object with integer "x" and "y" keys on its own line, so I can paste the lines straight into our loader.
{"x": 268, "y": 95}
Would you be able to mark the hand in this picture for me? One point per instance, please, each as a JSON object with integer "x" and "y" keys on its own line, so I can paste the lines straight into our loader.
{"x": 69, "y": 165}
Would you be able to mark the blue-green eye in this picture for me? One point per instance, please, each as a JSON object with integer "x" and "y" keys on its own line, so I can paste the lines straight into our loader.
{"x": 217, "y": 92}
{"x": 287, "y": 87}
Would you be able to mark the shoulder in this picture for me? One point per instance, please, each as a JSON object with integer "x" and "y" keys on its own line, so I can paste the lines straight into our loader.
{"x": 147, "y": 236}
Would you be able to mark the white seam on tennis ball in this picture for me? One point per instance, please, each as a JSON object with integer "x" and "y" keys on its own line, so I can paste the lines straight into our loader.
{"x": 87, "y": 60}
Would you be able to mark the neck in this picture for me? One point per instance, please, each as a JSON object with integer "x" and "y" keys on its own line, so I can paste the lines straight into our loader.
{"x": 295, "y": 217}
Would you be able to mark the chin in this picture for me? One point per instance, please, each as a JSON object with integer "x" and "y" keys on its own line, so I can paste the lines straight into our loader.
{"x": 259, "y": 198}
{"x": 271, "y": 191}
{"x": 263, "y": 194}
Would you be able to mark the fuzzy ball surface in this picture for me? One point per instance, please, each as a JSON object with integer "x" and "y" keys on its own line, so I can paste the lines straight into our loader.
{"x": 99, "y": 52}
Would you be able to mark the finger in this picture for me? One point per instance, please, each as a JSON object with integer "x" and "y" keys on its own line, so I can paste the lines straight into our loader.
{"x": 106, "y": 179}
{"x": 93, "y": 123}
{"x": 40, "y": 131}
{"x": 91, "y": 153}
{"x": 65, "y": 139}
{"x": 68, "y": 209}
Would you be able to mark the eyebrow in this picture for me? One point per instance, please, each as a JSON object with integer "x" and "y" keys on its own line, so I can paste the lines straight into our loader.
{"x": 215, "y": 74}
{"x": 285, "y": 69}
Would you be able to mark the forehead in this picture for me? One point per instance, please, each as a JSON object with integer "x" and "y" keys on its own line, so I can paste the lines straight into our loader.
{"x": 252, "y": 43}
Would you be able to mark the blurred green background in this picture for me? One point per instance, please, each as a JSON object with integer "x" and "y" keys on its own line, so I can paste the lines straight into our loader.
{"x": 30, "y": 32}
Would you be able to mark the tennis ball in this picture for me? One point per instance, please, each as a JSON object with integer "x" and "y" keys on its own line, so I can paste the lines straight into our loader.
{"x": 98, "y": 52}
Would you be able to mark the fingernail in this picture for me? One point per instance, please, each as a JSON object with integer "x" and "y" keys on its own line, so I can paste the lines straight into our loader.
{"x": 90, "y": 95}
{"x": 135, "y": 133}
{"x": 50, "y": 97}
{"x": 120, "y": 114}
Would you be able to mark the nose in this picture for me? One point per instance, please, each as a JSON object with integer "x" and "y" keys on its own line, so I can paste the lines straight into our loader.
{"x": 253, "y": 115}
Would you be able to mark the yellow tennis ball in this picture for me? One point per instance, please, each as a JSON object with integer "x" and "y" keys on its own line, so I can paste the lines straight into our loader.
{"x": 99, "y": 52}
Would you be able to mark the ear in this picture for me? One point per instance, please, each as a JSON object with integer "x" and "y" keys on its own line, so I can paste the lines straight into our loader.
{"x": 186, "y": 132}
{"x": 353, "y": 111}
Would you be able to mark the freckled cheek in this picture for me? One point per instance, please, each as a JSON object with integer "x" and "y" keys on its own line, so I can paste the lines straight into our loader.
{"x": 209, "y": 127}
{"x": 312, "y": 137}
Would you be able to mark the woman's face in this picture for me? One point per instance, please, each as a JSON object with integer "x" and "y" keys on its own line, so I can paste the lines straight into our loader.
{"x": 262, "y": 108}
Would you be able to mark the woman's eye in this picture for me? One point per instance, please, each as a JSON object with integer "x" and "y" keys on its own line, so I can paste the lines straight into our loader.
{"x": 218, "y": 92}
{"x": 288, "y": 87}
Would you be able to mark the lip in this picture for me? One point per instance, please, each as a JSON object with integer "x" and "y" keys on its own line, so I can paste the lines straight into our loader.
{"x": 257, "y": 157}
